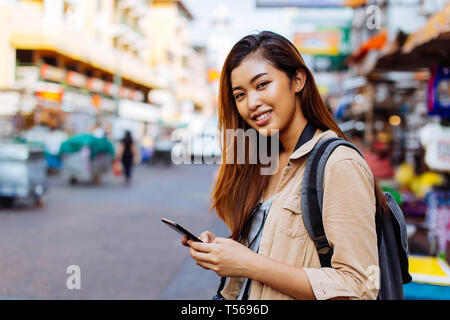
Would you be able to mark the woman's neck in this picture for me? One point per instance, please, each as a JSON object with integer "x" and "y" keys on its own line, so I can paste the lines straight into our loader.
{"x": 289, "y": 137}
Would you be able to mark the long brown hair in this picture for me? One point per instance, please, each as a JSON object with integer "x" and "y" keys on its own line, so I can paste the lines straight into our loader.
{"x": 239, "y": 187}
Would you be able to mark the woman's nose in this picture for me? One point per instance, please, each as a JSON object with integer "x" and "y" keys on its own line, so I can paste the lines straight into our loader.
{"x": 253, "y": 101}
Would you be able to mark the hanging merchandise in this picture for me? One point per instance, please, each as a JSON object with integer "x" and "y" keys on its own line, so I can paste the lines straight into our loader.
{"x": 413, "y": 206}
{"x": 439, "y": 92}
{"x": 438, "y": 219}
{"x": 436, "y": 141}
{"x": 422, "y": 184}
{"x": 414, "y": 189}
{"x": 404, "y": 174}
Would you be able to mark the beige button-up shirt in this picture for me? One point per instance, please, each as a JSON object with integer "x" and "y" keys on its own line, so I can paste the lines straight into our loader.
{"x": 349, "y": 222}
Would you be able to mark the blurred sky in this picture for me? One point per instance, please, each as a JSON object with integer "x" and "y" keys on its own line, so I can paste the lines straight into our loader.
{"x": 244, "y": 15}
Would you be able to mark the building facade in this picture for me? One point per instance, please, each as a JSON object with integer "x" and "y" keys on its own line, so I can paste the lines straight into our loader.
{"x": 63, "y": 57}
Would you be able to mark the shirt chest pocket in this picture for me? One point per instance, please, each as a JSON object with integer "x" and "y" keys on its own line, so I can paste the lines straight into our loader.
{"x": 292, "y": 220}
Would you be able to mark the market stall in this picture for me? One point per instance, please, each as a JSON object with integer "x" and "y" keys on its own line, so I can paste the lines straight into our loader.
{"x": 86, "y": 158}
{"x": 406, "y": 105}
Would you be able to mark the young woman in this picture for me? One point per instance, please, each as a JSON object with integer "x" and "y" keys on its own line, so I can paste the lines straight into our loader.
{"x": 269, "y": 255}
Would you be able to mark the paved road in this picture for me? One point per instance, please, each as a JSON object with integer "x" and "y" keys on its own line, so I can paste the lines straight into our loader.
{"x": 114, "y": 234}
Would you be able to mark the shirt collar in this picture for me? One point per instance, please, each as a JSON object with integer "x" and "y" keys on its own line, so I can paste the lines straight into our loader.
{"x": 308, "y": 146}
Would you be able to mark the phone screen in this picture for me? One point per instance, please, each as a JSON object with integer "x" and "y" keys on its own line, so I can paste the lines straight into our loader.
{"x": 178, "y": 228}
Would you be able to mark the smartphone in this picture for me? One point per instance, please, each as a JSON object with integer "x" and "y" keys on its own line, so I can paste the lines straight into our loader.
{"x": 175, "y": 226}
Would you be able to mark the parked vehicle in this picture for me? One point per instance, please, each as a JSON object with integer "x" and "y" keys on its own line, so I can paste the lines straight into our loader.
{"x": 22, "y": 171}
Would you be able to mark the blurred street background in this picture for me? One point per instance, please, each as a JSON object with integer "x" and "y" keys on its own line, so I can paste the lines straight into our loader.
{"x": 77, "y": 75}
{"x": 114, "y": 234}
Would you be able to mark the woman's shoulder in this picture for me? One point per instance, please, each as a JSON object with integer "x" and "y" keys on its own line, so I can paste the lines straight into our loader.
{"x": 345, "y": 153}
{"x": 342, "y": 152}
{"x": 346, "y": 158}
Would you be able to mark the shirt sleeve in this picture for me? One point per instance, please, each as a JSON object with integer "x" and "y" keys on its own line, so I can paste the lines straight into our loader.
{"x": 349, "y": 224}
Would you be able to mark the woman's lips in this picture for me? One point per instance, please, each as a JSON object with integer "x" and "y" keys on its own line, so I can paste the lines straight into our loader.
{"x": 265, "y": 120}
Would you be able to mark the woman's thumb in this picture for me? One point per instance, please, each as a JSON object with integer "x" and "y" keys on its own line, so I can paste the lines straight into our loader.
{"x": 204, "y": 237}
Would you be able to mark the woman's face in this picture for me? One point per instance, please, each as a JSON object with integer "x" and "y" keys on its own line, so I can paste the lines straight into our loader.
{"x": 265, "y": 96}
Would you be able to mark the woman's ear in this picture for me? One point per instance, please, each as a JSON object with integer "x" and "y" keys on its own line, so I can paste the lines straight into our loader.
{"x": 300, "y": 80}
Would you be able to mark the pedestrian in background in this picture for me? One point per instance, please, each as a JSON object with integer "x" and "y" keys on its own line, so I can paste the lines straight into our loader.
{"x": 265, "y": 84}
{"x": 127, "y": 152}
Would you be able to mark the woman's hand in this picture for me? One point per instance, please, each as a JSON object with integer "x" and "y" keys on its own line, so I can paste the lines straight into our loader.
{"x": 226, "y": 257}
{"x": 229, "y": 258}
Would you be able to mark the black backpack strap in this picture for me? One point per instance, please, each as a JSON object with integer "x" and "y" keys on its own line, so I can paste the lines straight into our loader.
{"x": 218, "y": 295}
{"x": 246, "y": 290}
{"x": 312, "y": 195}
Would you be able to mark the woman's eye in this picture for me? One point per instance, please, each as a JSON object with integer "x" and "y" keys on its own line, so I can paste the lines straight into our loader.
{"x": 239, "y": 95}
{"x": 262, "y": 84}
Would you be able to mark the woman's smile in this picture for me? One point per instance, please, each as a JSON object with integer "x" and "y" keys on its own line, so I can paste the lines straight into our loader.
{"x": 264, "y": 118}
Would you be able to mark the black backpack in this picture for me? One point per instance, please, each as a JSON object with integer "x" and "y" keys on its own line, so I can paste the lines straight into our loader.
{"x": 390, "y": 226}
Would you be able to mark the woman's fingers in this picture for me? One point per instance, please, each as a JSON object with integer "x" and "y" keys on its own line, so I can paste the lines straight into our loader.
{"x": 207, "y": 265}
{"x": 202, "y": 256}
{"x": 184, "y": 241}
{"x": 201, "y": 246}
{"x": 207, "y": 236}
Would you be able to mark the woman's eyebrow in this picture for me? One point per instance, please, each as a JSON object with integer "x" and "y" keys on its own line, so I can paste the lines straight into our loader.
{"x": 251, "y": 81}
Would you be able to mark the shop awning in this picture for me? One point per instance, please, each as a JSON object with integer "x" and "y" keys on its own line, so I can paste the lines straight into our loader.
{"x": 427, "y": 55}
{"x": 437, "y": 26}
{"x": 424, "y": 48}
{"x": 376, "y": 42}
